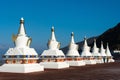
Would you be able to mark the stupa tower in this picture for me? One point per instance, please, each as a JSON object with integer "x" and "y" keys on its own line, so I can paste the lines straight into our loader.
{"x": 108, "y": 54}
{"x": 53, "y": 58}
{"x": 21, "y": 58}
{"x": 86, "y": 54}
{"x": 73, "y": 56}
{"x": 102, "y": 52}
{"x": 96, "y": 54}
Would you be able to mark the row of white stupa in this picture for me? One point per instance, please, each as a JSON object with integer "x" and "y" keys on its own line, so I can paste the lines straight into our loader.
{"x": 23, "y": 59}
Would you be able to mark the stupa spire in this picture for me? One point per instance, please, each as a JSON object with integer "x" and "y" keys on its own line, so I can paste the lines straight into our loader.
{"x": 53, "y": 34}
{"x": 72, "y": 38}
{"x": 107, "y": 46}
{"x": 102, "y": 45}
{"x": 95, "y": 50}
{"x": 108, "y": 54}
{"x": 21, "y": 29}
{"x": 86, "y": 49}
{"x": 85, "y": 41}
{"x": 102, "y": 50}
{"x": 95, "y": 46}
{"x": 108, "y": 51}
{"x": 72, "y": 45}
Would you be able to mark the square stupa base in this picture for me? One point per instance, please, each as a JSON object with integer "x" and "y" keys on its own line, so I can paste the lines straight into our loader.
{"x": 98, "y": 61}
{"x": 89, "y": 62}
{"x": 21, "y": 68}
{"x": 111, "y": 60}
{"x": 54, "y": 65}
{"x": 76, "y": 63}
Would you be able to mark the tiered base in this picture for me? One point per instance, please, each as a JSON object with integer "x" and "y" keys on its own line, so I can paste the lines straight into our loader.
{"x": 76, "y": 63}
{"x": 111, "y": 60}
{"x": 99, "y": 61}
{"x": 89, "y": 62}
{"x": 54, "y": 65}
{"x": 21, "y": 68}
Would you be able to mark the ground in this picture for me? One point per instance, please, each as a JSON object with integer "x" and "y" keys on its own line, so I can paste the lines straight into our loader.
{"x": 108, "y": 71}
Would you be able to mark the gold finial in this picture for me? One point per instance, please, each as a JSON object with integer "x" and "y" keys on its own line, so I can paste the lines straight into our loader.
{"x": 85, "y": 38}
{"x": 72, "y": 34}
{"x": 101, "y": 42}
{"x": 22, "y": 21}
{"x": 52, "y": 29}
{"x": 94, "y": 40}
{"x": 107, "y": 43}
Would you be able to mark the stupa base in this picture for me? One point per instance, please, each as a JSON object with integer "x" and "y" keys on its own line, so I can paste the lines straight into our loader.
{"x": 76, "y": 63}
{"x": 54, "y": 65}
{"x": 112, "y": 60}
{"x": 98, "y": 61}
{"x": 21, "y": 68}
{"x": 89, "y": 62}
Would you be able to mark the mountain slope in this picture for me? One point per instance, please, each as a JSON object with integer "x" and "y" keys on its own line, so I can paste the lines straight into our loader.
{"x": 112, "y": 36}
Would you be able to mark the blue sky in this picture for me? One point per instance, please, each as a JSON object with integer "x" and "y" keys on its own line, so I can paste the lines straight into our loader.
{"x": 83, "y": 17}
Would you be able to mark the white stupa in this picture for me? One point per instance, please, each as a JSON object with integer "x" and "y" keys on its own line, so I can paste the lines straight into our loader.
{"x": 86, "y": 54}
{"x": 21, "y": 58}
{"x": 73, "y": 56}
{"x": 53, "y": 58}
{"x": 108, "y": 55}
{"x": 96, "y": 54}
{"x": 102, "y": 52}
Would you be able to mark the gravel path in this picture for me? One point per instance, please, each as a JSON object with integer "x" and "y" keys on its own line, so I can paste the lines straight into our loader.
{"x": 108, "y": 71}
